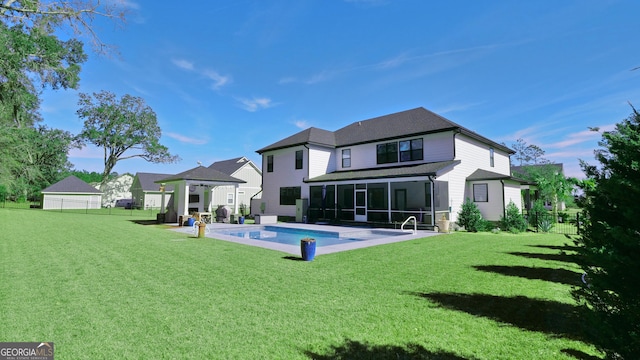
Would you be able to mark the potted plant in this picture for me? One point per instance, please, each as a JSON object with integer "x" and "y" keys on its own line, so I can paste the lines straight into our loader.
{"x": 243, "y": 212}
{"x": 308, "y": 248}
{"x": 443, "y": 224}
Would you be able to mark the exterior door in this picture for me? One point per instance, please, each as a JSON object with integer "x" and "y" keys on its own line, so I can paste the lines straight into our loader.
{"x": 361, "y": 205}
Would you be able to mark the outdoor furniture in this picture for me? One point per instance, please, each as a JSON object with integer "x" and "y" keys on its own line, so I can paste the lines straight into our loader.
{"x": 266, "y": 219}
{"x": 223, "y": 214}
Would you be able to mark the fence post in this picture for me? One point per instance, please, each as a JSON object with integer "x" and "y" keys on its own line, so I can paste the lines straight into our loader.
{"x": 61, "y": 204}
{"x": 578, "y": 223}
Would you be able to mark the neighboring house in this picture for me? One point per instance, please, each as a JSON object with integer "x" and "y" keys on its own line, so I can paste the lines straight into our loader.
{"x": 147, "y": 194}
{"x": 523, "y": 172}
{"x": 115, "y": 189}
{"x": 239, "y": 168}
{"x": 192, "y": 191}
{"x": 71, "y": 193}
{"x": 386, "y": 169}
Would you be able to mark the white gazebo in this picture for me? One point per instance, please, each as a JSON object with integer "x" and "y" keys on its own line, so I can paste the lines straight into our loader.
{"x": 193, "y": 191}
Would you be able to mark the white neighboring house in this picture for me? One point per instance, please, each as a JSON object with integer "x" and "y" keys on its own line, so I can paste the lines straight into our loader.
{"x": 147, "y": 194}
{"x": 385, "y": 169}
{"x": 239, "y": 168}
{"x": 71, "y": 193}
{"x": 116, "y": 189}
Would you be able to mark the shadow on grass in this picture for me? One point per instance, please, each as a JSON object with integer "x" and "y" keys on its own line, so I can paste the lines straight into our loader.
{"x": 535, "y": 273}
{"x": 544, "y": 316}
{"x": 294, "y": 258}
{"x": 145, "y": 222}
{"x": 554, "y": 247}
{"x": 552, "y": 257}
{"x": 357, "y": 350}
{"x": 580, "y": 355}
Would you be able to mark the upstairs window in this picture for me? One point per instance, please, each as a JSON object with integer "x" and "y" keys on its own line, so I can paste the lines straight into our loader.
{"x": 346, "y": 158}
{"x": 269, "y": 163}
{"x": 387, "y": 153}
{"x": 299, "y": 159}
{"x": 411, "y": 150}
{"x": 491, "y": 162}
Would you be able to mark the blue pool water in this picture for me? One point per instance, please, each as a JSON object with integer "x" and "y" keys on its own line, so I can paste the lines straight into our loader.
{"x": 290, "y": 236}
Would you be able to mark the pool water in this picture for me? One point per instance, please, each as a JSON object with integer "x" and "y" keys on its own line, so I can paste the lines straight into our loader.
{"x": 290, "y": 236}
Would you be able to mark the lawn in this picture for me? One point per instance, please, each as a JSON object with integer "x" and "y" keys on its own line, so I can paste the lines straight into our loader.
{"x": 108, "y": 287}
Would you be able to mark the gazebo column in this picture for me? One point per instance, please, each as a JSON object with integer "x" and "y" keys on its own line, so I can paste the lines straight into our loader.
{"x": 235, "y": 211}
{"x": 185, "y": 201}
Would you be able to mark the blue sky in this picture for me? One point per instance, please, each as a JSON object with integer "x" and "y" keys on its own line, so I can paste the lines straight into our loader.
{"x": 227, "y": 78}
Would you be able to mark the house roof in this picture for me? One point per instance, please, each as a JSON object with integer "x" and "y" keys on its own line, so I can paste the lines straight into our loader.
{"x": 202, "y": 173}
{"x": 148, "y": 181}
{"x": 71, "y": 184}
{"x": 428, "y": 169}
{"x": 231, "y": 166}
{"x": 481, "y": 174}
{"x": 397, "y": 125}
{"x": 522, "y": 168}
{"x": 311, "y": 135}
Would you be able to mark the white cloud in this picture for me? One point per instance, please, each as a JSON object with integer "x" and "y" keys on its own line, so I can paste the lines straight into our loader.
{"x": 301, "y": 124}
{"x": 186, "y": 139}
{"x": 255, "y": 104}
{"x": 183, "y": 64}
{"x": 581, "y": 137}
{"x": 218, "y": 80}
{"x": 87, "y": 152}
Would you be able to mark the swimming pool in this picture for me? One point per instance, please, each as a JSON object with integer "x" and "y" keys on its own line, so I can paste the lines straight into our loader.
{"x": 289, "y": 236}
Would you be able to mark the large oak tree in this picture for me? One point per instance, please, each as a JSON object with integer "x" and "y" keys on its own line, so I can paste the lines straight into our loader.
{"x": 124, "y": 128}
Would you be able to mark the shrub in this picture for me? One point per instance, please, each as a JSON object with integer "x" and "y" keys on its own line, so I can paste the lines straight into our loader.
{"x": 537, "y": 212}
{"x": 513, "y": 219}
{"x": 469, "y": 216}
{"x": 545, "y": 224}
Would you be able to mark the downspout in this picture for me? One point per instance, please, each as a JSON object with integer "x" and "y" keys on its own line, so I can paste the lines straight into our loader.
{"x": 251, "y": 200}
{"x": 455, "y": 132}
{"x": 433, "y": 210}
{"x": 504, "y": 197}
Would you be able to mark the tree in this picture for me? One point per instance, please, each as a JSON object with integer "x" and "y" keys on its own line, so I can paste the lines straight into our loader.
{"x": 521, "y": 154}
{"x": 124, "y": 129}
{"x": 609, "y": 247}
{"x": 528, "y": 154}
{"x": 33, "y": 158}
{"x": 33, "y": 57}
{"x": 76, "y": 15}
{"x": 470, "y": 217}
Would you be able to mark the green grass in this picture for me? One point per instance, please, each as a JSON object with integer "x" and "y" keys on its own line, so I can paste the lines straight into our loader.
{"x": 106, "y": 287}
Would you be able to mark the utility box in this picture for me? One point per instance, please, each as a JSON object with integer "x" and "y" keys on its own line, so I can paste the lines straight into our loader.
{"x": 302, "y": 205}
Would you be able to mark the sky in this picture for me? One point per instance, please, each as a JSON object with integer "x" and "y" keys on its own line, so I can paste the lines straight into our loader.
{"x": 226, "y": 78}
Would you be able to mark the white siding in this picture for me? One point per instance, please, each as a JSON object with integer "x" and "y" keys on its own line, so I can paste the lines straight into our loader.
{"x": 473, "y": 155}
{"x": 284, "y": 175}
{"x": 71, "y": 201}
{"x": 436, "y": 147}
{"x": 512, "y": 193}
{"x": 321, "y": 161}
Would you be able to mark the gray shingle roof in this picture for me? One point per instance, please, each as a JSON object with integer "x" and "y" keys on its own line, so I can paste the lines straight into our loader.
{"x": 202, "y": 173}
{"x": 148, "y": 181}
{"x": 481, "y": 174}
{"x": 229, "y": 166}
{"x": 309, "y": 136}
{"x": 428, "y": 169}
{"x": 401, "y": 124}
{"x": 71, "y": 184}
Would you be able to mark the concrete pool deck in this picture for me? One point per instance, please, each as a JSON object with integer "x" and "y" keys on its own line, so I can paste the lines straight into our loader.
{"x": 344, "y": 231}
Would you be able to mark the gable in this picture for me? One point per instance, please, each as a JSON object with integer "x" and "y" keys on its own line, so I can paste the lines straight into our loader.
{"x": 71, "y": 184}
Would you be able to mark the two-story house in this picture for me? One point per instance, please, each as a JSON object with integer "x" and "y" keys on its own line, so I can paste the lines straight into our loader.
{"x": 386, "y": 169}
